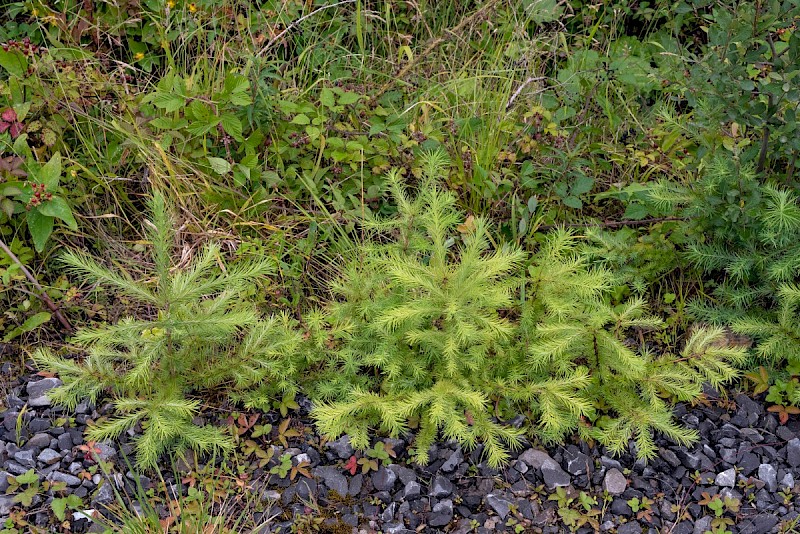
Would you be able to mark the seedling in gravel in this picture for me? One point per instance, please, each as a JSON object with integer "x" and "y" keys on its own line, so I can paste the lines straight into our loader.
{"x": 262, "y": 456}
{"x": 642, "y": 508}
{"x": 285, "y": 432}
{"x": 300, "y": 469}
{"x": 787, "y": 496}
{"x": 60, "y": 505}
{"x": 30, "y": 481}
{"x": 283, "y": 468}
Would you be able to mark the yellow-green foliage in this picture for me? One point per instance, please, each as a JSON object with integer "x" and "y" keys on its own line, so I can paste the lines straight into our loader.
{"x": 439, "y": 330}
{"x": 202, "y": 336}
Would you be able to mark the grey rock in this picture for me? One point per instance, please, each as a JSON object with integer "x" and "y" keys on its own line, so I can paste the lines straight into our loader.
{"x": 6, "y": 504}
{"x": 49, "y": 457}
{"x": 38, "y": 441}
{"x": 4, "y": 481}
{"x": 404, "y": 473}
{"x": 614, "y": 482}
{"x": 619, "y": 506}
{"x": 441, "y": 514}
{"x": 333, "y": 478}
{"x": 785, "y": 434}
{"x": 787, "y": 481}
{"x": 341, "y": 447}
{"x": 769, "y": 476}
{"x": 793, "y": 452}
{"x": 576, "y": 463}
{"x": 383, "y": 479}
{"x": 702, "y": 525}
{"x": 355, "y": 485}
{"x": 105, "y": 451}
{"x": 452, "y": 463}
{"x": 670, "y": 457}
{"x": 535, "y": 458}
{"x": 104, "y": 494}
{"x": 500, "y": 505}
{"x": 632, "y": 527}
{"x": 760, "y": 524}
{"x": 41, "y": 387}
{"x": 749, "y": 463}
{"x": 726, "y": 479}
{"x": 25, "y": 458}
{"x": 684, "y": 527}
{"x": 306, "y": 488}
{"x": 552, "y": 473}
{"x": 388, "y": 512}
{"x": 69, "y": 480}
{"x": 441, "y": 487}
{"x": 554, "y": 476}
{"x": 39, "y": 424}
{"x": 689, "y": 459}
{"x": 396, "y": 528}
{"x": 412, "y": 490}
{"x": 65, "y": 442}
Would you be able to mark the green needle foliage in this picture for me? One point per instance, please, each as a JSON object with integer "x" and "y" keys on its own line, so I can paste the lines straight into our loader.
{"x": 421, "y": 315}
{"x": 439, "y": 331}
{"x": 201, "y": 335}
{"x": 572, "y": 332}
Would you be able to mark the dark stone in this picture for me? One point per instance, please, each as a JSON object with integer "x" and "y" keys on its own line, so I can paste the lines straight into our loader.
{"x": 441, "y": 514}
{"x": 688, "y": 459}
{"x": 620, "y": 507}
{"x": 49, "y": 457}
{"x": 499, "y": 504}
{"x": 69, "y": 480}
{"x": 575, "y": 462}
{"x": 632, "y": 527}
{"x": 769, "y": 476}
{"x": 39, "y": 388}
{"x": 749, "y": 463}
{"x": 793, "y": 452}
{"x": 65, "y": 442}
{"x": 412, "y": 490}
{"x": 760, "y": 524}
{"x": 333, "y": 479}
{"x": 383, "y": 479}
{"x": 341, "y": 447}
{"x": 784, "y": 433}
{"x": 355, "y": 485}
{"x": 453, "y": 461}
{"x": 38, "y": 442}
{"x": 441, "y": 487}
{"x": 39, "y": 424}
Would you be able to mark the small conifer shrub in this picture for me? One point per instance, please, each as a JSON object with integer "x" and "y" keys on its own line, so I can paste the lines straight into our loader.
{"x": 200, "y": 335}
{"x": 443, "y": 332}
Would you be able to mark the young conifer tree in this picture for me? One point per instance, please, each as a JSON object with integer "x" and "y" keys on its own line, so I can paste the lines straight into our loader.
{"x": 421, "y": 308}
{"x": 200, "y": 335}
{"x": 573, "y": 332}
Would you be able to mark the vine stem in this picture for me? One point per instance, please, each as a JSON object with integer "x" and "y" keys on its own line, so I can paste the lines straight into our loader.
{"x": 42, "y": 294}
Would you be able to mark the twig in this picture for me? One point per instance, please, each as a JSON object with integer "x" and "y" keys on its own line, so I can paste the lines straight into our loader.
{"x": 614, "y": 224}
{"x": 294, "y": 24}
{"x": 42, "y": 294}
{"x": 521, "y": 87}
{"x": 433, "y": 44}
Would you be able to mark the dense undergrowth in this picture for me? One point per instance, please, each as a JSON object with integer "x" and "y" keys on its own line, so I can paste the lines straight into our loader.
{"x": 426, "y": 217}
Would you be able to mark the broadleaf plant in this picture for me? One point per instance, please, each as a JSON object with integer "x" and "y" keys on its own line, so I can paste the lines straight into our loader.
{"x": 200, "y": 335}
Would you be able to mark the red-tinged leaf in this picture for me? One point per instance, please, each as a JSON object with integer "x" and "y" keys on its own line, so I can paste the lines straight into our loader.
{"x": 15, "y": 130}
{"x": 46, "y": 374}
{"x": 469, "y": 418}
{"x": 4, "y": 126}
{"x": 351, "y": 465}
{"x": 9, "y": 115}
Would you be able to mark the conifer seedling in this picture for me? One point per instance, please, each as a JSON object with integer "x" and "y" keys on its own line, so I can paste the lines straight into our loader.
{"x": 200, "y": 335}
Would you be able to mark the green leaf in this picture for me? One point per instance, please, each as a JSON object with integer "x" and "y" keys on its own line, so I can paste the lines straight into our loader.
{"x": 326, "y": 98}
{"x": 349, "y": 98}
{"x": 14, "y": 62}
{"x": 50, "y": 173}
{"x": 59, "y": 507}
{"x": 169, "y": 102}
{"x": 232, "y": 125}
{"x": 301, "y": 119}
{"x": 40, "y": 226}
{"x": 220, "y": 166}
{"x": 573, "y": 202}
{"x": 29, "y": 477}
{"x": 57, "y": 207}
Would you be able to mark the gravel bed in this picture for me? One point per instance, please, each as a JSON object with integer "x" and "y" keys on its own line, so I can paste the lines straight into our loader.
{"x": 744, "y": 455}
